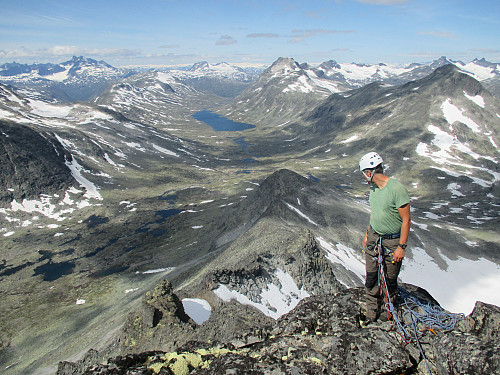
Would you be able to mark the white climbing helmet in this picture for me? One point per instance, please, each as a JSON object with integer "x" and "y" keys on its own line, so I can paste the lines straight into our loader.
{"x": 370, "y": 161}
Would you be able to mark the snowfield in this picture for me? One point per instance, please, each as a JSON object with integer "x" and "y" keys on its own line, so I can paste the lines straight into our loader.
{"x": 49, "y": 110}
{"x": 458, "y": 287}
{"x": 275, "y": 300}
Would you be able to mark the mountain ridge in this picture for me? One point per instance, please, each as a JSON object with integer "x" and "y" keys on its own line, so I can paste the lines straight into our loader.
{"x": 322, "y": 334}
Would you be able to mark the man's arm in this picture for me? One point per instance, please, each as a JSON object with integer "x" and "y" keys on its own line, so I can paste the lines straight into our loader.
{"x": 404, "y": 212}
{"x": 365, "y": 239}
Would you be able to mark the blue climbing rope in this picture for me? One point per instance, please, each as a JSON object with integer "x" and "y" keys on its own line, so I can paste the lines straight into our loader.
{"x": 414, "y": 312}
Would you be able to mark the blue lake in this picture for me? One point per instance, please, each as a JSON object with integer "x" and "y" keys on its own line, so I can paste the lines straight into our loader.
{"x": 220, "y": 123}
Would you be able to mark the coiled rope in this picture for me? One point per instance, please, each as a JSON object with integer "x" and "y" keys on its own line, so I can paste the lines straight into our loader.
{"x": 414, "y": 312}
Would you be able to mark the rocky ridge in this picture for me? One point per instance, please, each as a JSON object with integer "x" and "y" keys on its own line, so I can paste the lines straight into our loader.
{"x": 324, "y": 334}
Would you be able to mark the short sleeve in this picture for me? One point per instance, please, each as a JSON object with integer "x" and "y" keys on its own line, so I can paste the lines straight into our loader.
{"x": 401, "y": 196}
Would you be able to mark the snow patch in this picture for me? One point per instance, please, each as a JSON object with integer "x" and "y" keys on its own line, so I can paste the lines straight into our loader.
{"x": 76, "y": 172}
{"x": 300, "y": 213}
{"x": 44, "y": 207}
{"x": 5, "y": 114}
{"x": 452, "y": 114}
{"x": 445, "y": 143}
{"x": 158, "y": 270}
{"x": 198, "y": 309}
{"x": 135, "y": 146}
{"x": 165, "y": 151}
{"x": 453, "y": 187}
{"x": 302, "y": 85}
{"x": 478, "y": 99}
{"x": 345, "y": 256}
{"x": 49, "y": 110}
{"x": 275, "y": 301}
{"x": 350, "y": 139}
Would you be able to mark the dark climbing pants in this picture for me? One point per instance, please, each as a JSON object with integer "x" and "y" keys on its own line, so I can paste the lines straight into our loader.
{"x": 375, "y": 294}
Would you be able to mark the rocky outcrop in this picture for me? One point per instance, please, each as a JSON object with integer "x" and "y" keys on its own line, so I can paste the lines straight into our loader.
{"x": 323, "y": 335}
{"x": 474, "y": 347}
{"x": 162, "y": 324}
{"x": 160, "y": 320}
{"x": 251, "y": 262}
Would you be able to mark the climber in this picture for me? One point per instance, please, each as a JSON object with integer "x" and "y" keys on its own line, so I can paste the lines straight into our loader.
{"x": 389, "y": 219}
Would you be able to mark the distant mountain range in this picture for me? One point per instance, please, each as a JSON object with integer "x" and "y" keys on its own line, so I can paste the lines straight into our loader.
{"x": 65, "y": 71}
{"x": 356, "y": 75}
{"x": 82, "y": 78}
{"x": 74, "y": 80}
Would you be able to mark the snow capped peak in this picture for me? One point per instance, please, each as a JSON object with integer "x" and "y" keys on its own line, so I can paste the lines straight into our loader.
{"x": 86, "y": 61}
{"x": 330, "y": 64}
{"x": 81, "y": 69}
{"x": 284, "y": 63}
{"x": 202, "y": 65}
{"x": 284, "y": 66}
{"x": 483, "y": 62}
{"x": 219, "y": 70}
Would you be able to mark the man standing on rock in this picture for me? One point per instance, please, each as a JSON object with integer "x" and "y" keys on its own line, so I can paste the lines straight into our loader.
{"x": 390, "y": 221}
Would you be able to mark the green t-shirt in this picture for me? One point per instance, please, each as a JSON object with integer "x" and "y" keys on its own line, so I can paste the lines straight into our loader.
{"x": 384, "y": 204}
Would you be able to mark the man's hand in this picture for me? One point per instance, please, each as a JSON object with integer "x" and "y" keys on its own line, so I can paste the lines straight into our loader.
{"x": 398, "y": 254}
{"x": 365, "y": 240}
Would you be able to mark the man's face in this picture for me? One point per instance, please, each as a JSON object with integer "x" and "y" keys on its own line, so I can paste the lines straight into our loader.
{"x": 367, "y": 174}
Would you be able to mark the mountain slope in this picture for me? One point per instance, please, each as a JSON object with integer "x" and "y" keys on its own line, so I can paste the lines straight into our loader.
{"x": 157, "y": 98}
{"x": 447, "y": 118}
{"x": 97, "y": 146}
{"x": 32, "y": 163}
{"x": 290, "y": 228}
{"x": 282, "y": 93}
{"x": 323, "y": 334}
{"x": 438, "y": 135}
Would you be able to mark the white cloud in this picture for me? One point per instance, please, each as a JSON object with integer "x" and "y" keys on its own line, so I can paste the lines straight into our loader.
{"x": 300, "y": 35}
{"x": 263, "y": 35}
{"x": 225, "y": 40}
{"x": 440, "y": 34}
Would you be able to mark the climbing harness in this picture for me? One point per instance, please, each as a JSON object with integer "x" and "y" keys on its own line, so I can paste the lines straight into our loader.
{"x": 415, "y": 313}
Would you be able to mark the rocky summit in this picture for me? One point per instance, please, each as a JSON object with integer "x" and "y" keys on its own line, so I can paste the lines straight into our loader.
{"x": 324, "y": 334}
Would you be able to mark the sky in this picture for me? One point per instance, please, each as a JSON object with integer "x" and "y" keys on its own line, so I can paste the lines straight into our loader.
{"x": 152, "y": 33}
